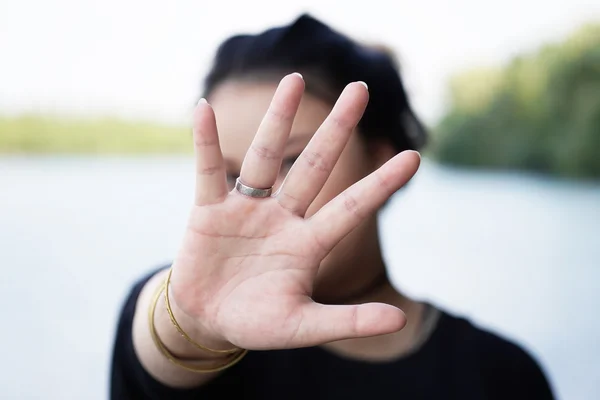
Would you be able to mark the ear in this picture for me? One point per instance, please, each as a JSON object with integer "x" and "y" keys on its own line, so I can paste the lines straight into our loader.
{"x": 381, "y": 151}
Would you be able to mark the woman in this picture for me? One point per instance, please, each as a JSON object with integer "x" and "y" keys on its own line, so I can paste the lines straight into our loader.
{"x": 279, "y": 290}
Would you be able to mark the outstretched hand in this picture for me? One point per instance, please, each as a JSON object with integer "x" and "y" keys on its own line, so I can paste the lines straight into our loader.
{"x": 246, "y": 269}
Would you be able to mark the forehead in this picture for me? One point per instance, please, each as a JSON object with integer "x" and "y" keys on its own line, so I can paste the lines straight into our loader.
{"x": 240, "y": 106}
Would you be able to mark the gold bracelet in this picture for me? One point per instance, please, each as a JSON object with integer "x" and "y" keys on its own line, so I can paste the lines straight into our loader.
{"x": 233, "y": 358}
{"x": 180, "y": 329}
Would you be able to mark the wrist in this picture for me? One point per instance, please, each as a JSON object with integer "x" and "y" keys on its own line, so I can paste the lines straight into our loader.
{"x": 195, "y": 331}
{"x": 177, "y": 344}
{"x": 173, "y": 339}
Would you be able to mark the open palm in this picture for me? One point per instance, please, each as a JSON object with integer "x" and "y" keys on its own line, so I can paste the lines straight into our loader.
{"x": 247, "y": 265}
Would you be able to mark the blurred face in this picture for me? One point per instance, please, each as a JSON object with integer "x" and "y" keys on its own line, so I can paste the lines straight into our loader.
{"x": 239, "y": 108}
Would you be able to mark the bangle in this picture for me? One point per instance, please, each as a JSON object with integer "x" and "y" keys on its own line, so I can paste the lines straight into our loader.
{"x": 180, "y": 330}
{"x": 232, "y": 358}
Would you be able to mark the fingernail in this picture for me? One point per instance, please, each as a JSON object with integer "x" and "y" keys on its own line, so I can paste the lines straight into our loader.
{"x": 364, "y": 84}
{"x": 299, "y": 74}
{"x": 202, "y": 101}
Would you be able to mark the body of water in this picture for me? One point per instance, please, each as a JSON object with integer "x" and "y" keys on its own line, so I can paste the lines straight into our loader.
{"x": 517, "y": 254}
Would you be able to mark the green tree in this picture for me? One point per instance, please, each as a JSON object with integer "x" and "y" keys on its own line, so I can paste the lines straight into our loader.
{"x": 539, "y": 113}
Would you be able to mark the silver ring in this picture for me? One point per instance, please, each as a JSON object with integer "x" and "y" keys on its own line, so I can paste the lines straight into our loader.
{"x": 250, "y": 191}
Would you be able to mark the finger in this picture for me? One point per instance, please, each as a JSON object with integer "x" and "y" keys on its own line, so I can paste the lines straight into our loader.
{"x": 347, "y": 210}
{"x": 211, "y": 181}
{"x": 327, "y": 323}
{"x": 309, "y": 173}
{"x": 263, "y": 159}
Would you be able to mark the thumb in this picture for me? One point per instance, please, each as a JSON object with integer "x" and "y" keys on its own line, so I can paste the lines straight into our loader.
{"x": 328, "y": 323}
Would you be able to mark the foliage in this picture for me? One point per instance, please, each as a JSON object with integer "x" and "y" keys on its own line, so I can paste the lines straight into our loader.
{"x": 539, "y": 113}
{"x": 43, "y": 134}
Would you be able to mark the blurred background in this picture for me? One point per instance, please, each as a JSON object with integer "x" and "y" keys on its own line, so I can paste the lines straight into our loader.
{"x": 501, "y": 224}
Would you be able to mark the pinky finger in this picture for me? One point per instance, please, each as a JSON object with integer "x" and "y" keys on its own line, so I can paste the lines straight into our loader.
{"x": 347, "y": 210}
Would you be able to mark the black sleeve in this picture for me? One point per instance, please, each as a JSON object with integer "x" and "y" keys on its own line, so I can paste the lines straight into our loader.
{"x": 129, "y": 380}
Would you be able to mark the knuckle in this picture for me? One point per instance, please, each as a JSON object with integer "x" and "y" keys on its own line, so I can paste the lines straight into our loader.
{"x": 316, "y": 161}
{"x": 201, "y": 140}
{"x": 352, "y": 206}
{"x": 290, "y": 203}
{"x": 210, "y": 170}
{"x": 354, "y": 320}
{"x": 341, "y": 121}
{"x": 384, "y": 182}
{"x": 264, "y": 152}
{"x": 279, "y": 114}
{"x": 323, "y": 245}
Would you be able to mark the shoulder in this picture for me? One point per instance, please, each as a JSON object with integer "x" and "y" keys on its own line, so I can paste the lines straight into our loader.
{"x": 508, "y": 369}
{"x": 487, "y": 346}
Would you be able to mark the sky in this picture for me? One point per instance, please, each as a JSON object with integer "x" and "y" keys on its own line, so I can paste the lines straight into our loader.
{"x": 146, "y": 59}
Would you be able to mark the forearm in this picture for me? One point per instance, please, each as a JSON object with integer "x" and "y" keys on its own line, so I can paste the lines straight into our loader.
{"x": 151, "y": 358}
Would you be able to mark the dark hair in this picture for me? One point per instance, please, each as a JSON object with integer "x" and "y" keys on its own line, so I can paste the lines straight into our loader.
{"x": 329, "y": 61}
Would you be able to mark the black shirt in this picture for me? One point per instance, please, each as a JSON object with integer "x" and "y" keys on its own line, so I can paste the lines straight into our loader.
{"x": 457, "y": 361}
